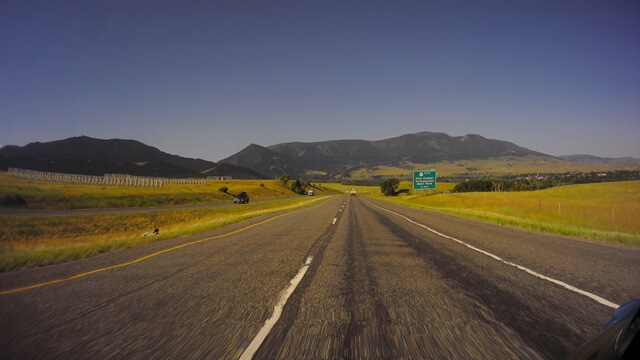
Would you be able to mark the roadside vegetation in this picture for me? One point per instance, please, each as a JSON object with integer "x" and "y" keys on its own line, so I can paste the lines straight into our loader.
{"x": 604, "y": 211}
{"x": 37, "y": 241}
{"x": 302, "y": 187}
{"x": 487, "y": 185}
{"x": 42, "y": 240}
{"x": 390, "y": 187}
{"x": 18, "y": 193}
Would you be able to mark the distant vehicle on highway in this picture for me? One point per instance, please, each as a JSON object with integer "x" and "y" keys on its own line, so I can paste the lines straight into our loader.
{"x": 311, "y": 193}
{"x": 242, "y": 198}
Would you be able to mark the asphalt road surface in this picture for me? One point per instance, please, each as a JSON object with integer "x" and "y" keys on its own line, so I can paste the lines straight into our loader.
{"x": 361, "y": 279}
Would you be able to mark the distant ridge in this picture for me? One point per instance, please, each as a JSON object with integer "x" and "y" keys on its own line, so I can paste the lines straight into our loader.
{"x": 337, "y": 158}
{"x": 90, "y": 156}
{"x": 590, "y": 159}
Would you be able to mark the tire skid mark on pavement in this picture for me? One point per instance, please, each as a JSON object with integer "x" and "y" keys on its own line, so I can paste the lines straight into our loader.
{"x": 143, "y": 258}
{"x": 540, "y": 331}
{"x": 267, "y": 345}
{"x": 111, "y": 300}
{"x": 360, "y": 282}
{"x": 277, "y": 311}
{"x": 594, "y": 297}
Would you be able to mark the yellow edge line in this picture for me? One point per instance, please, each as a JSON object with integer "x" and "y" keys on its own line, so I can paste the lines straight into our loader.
{"x": 77, "y": 276}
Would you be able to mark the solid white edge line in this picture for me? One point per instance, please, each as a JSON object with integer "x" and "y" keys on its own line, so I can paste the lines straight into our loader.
{"x": 519, "y": 267}
{"x": 250, "y": 351}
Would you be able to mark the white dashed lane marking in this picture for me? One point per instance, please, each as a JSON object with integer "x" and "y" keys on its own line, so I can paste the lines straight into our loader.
{"x": 277, "y": 311}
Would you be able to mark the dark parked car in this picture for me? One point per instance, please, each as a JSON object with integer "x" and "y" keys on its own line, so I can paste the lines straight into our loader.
{"x": 242, "y": 198}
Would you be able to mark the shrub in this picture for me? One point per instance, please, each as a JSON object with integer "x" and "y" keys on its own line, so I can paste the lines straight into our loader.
{"x": 389, "y": 187}
{"x": 14, "y": 201}
{"x": 224, "y": 189}
{"x": 284, "y": 179}
{"x": 298, "y": 187}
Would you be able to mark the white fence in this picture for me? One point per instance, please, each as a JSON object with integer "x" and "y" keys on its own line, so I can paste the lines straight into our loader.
{"x": 122, "y": 179}
{"x": 107, "y": 179}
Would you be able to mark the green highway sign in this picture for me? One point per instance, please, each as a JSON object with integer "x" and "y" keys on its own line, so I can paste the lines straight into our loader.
{"x": 425, "y": 179}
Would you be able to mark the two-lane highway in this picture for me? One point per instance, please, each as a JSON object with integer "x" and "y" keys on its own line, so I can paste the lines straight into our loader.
{"x": 348, "y": 278}
{"x": 205, "y": 300}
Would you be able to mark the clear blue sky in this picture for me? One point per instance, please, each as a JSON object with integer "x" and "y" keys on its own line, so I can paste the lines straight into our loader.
{"x": 207, "y": 78}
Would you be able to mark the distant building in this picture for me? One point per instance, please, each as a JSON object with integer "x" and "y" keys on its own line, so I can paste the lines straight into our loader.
{"x": 219, "y": 177}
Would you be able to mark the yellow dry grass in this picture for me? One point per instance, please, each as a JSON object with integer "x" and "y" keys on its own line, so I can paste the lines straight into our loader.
{"x": 35, "y": 241}
{"x": 605, "y": 211}
{"x": 53, "y": 195}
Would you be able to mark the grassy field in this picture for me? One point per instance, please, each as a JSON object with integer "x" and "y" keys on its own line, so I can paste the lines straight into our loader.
{"x": 607, "y": 211}
{"x": 62, "y": 196}
{"x": 37, "y": 241}
{"x": 490, "y": 167}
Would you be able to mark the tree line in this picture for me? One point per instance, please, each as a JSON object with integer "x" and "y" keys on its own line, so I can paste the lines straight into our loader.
{"x": 486, "y": 185}
{"x": 543, "y": 181}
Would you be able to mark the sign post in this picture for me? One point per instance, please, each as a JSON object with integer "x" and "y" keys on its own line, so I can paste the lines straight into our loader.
{"x": 425, "y": 179}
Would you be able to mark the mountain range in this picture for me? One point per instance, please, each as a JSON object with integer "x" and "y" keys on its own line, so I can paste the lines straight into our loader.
{"x": 320, "y": 161}
{"x": 85, "y": 155}
{"x": 330, "y": 159}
